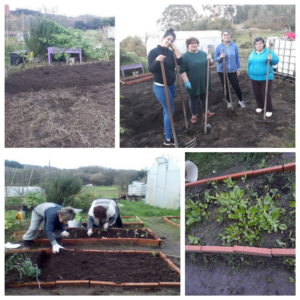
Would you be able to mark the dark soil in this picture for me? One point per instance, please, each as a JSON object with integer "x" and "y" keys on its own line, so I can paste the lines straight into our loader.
{"x": 61, "y": 106}
{"x": 109, "y": 234}
{"x": 209, "y": 229}
{"x": 141, "y": 117}
{"x": 114, "y": 267}
{"x": 237, "y": 274}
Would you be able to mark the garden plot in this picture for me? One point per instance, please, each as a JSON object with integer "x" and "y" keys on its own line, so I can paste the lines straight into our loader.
{"x": 87, "y": 267}
{"x": 61, "y": 106}
{"x": 127, "y": 221}
{"x": 120, "y": 235}
{"x": 257, "y": 211}
{"x": 238, "y": 274}
{"x": 174, "y": 221}
{"x": 142, "y": 121}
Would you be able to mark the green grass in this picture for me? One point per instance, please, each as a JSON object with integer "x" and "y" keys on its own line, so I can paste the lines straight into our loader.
{"x": 286, "y": 141}
{"x": 140, "y": 209}
{"x": 208, "y": 162}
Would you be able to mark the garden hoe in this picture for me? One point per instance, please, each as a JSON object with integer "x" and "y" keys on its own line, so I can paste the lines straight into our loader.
{"x": 226, "y": 80}
{"x": 181, "y": 92}
{"x": 168, "y": 102}
{"x": 266, "y": 94}
{"x": 207, "y": 127}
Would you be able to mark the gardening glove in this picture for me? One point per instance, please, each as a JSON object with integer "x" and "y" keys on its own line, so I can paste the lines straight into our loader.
{"x": 188, "y": 85}
{"x": 105, "y": 225}
{"x": 56, "y": 247}
{"x": 65, "y": 234}
{"x": 90, "y": 231}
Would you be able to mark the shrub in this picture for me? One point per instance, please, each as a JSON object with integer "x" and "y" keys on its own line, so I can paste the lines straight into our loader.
{"x": 33, "y": 199}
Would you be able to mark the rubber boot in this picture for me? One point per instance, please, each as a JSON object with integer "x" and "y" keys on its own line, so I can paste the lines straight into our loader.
{"x": 27, "y": 244}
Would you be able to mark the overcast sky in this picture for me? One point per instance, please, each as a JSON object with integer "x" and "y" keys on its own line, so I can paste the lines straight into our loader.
{"x": 73, "y": 158}
{"x": 73, "y": 10}
{"x": 137, "y": 19}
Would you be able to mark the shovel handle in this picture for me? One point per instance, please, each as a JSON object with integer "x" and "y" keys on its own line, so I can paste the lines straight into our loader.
{"x": 224, "y": 74}
{"x": 267, "y": 82}
{"x": 206, "y": 100}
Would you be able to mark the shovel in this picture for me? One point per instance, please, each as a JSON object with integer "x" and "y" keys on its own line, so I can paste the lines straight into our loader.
{"x": 266, "y": 94}
{"x": 168, "y": 102}
{"x": 225, "y": 76}
{"x": 206, "y": 126}
{"x": 181, "y": 92}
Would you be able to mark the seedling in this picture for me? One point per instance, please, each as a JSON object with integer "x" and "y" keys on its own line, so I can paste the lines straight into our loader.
{"x": 229, "y": 182}
{"x": 118, "y": 234}
{"x": 135, "y": 232}
{"x": 127, "y": 230}
{"x": 105, "y": 230}
{"x": 244, "y": 178}
{"x": 262, "y": 164}
{"x": 153, "y": 253}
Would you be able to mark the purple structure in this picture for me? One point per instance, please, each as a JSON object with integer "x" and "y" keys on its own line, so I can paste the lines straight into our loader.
{"x": 129, "y": 67}
{"x": 55, "y": 50}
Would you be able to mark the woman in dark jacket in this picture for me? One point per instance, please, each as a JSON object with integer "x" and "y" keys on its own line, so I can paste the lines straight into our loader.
{"x": 162, "y": 53}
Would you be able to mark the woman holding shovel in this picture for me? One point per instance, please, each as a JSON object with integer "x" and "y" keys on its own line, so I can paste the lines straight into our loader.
{"x": 229, "y": 51}
{"x": 194, "y": 74}
{"x": 162, "y": 53}
{"x": 260, "y": 64}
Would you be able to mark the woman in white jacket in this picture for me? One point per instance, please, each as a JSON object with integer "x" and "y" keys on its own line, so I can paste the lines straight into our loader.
{"x": 103, "y": 213}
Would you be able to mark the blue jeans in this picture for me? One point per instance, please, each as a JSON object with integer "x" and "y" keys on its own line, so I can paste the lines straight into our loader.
{"x": 160, "y": 94}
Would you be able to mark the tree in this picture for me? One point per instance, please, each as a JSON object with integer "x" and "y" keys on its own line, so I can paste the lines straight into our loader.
{"x": 62, "y": 188}
{"x": 176, "y": 16}
{"x": 13, "y": 164}
{"x": 79, "y": 25}
{"x": 221, "y": 24}
{"x": 220, "y": 10}
{"x": 98, "y": 179}
{"x": 134, "y": 44}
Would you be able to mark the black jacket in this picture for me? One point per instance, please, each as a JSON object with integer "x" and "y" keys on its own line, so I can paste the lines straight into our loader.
{"x": 155, "y": 68}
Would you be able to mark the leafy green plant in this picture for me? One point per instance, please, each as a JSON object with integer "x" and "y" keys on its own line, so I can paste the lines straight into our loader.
{"x": 33, "y": 199}
{"x": 195, "y": 240}
{"x": 244, "y": 178}
{"x": 229, "y": 182}
{"x": 118, "y": 234}
{"x": 262, "y": 164}
{"x": 194, "y": 211}
{"x": 10, "y": 262}
{"x": 135, "y": 231}
{"x": 10, "y": 218}
{"x": 105, "y": 230}
{"x": 153, "y": 253}
{"x": 127, "y": 230}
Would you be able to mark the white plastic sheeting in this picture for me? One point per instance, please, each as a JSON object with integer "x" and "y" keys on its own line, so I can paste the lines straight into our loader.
{"x": 163, "y": 183}
{"x": 137, "y": 189}
{"x": 21, "y": 191}
{"x": 208, "y": 39}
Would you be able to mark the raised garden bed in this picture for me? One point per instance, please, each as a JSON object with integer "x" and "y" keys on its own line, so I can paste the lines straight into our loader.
{"x": 139, "y": 223}
{"x": 96, "y": 267}
{"x": 136, "y": 79}
{"x": 257, "y": 210}
{"x": 174, "y": 221}
{"x": 120, "y": 235}
{"x": 238, "y": 274}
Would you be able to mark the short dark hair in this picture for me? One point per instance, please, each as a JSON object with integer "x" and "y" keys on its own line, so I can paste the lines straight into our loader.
{"x": 99, "y": 212}
{"x": 259, "y": 39}
{"x": 170, "y": 31}
{"x": 225, "y": 30}
{"x": 190, "y": 40}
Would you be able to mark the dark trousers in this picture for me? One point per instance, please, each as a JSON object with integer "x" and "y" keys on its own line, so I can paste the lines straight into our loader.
{"x": 259, "y": 90}
{"x": 194, "y": 101}
{"x": 232, "y": 77}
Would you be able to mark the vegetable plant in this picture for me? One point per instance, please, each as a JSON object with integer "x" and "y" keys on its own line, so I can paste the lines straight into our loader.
{"x": 135, "y": 232}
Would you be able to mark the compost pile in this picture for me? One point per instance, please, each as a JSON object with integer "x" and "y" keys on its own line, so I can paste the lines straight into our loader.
{"x": 61, "y": 106}
{"x": 142, "y": 121}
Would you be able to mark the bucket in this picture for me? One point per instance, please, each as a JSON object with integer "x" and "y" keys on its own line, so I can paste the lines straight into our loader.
{"x": 18, "y": 235}
{"x": 70, "y": 60}
{"x": 75, "y": 224}
{"x": 191, "y": 171}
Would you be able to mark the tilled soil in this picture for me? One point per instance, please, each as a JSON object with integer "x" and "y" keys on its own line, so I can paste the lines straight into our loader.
{"x": 209, "y": 229}
{"x": 118, "y": 267}
{"x": 109, "y": 234}
{"x": 61, "y": 106}
{"x": 237, "y": 274}
{"x": 141, "y": 116}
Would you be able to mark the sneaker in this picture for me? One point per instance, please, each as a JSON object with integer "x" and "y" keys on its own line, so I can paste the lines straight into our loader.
{"x": 209, "y": 114}
{"x": 228, "y": 105}
{"x": 268, "y": 114}
{"x": 242, "y": 104}
{"x": 170, "y": 142}
{"x": 194, "y": 119}
{"x": 259, "y": 110}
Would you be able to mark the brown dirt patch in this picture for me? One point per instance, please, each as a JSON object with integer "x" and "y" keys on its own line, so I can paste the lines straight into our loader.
{"x": 141, "y": 116}
{"x": 61, "y": 106}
